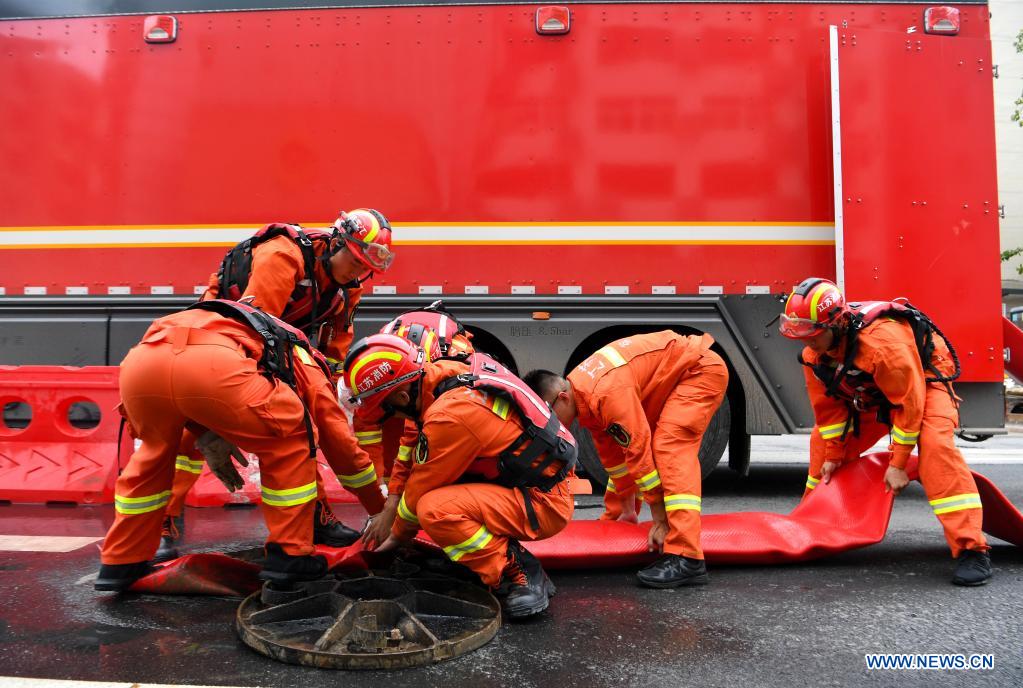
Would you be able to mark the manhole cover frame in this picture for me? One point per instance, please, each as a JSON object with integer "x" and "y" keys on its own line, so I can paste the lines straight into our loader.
{"x": 349, "y": 601}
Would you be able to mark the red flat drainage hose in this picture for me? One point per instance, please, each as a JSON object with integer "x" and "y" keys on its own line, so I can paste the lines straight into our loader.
{"x": 851, "y": 511}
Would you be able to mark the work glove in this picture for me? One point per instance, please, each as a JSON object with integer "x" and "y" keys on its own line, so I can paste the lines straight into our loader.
{"x": 218, "y": 452}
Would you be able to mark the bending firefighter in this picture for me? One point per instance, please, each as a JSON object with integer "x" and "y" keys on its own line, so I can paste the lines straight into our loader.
{"x": 488, "y": 468}
{"x": 311, "y": 279}
{"x": 236, "y": 378}
{"x": 647, "y": 400}
{"x": 880, "y": 368}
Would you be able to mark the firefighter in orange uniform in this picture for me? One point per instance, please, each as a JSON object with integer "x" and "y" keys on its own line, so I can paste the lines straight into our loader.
{"x": 881, "y": 367}
{"x": 210, "y": 370}
{"x": 312, "y": 280}
{"x": 478, "y": 484}
{"x": 647, "y": 401}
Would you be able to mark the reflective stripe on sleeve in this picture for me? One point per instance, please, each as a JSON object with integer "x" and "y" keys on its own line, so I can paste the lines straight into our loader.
{"x": 184, "y": 463}
{"x": 945, "y": 505}
{"x": 370, "y": 437}
{"x": 612, "y": 355}
{"x": 900, "y": 436}
{"x": 360, "y": 479}
{"x": 404, "y": 513}
{"x": 290, "y": 497}
{"x": 404, "y": 453}
{"x": 674, "y": 502}
{"x": 611, "y": 486}
{"x": 480, "y": 539}
{"x": 649, "y": 481}
{"x": 141, "y": 505}
{"x": 830, "y": 432}
{"x": 811, "y": 482}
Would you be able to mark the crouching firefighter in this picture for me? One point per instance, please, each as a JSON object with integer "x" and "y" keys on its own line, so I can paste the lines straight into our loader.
{"x": 440, "y": 335}
{"x": 489, "y": 467}
{"x": 647, "y": 400}
{"x": 311, "y": 279}
{"x": 236, "y": 378}
{"x": 878, "y": 368}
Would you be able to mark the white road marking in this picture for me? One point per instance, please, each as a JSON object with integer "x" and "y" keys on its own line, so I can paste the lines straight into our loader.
{"x": 44, "y": 543}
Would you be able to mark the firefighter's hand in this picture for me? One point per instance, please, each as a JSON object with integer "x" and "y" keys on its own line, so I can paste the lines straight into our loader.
{"x": 895, "y": 480}
{"x": 378, "y": 527}
{"x": 630, "y": 514}
{"x": 655, "y": 539}
{"x": 388, "y": 545}
{"x": 218, "y": 453}
{"x": 827, "y": 469}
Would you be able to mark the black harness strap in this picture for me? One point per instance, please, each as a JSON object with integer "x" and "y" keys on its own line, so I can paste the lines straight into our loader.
{"x": 278, "y": 359}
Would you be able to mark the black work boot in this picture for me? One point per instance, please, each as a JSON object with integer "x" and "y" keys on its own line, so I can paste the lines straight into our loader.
{"x": 172, "y": 534}
{"x": 327, "y": 530}
{"x": 972, "y": 568}
{"x": 525, "y": 589}
{"x": 281, "y": 567}
{"x": 673, "y": 570}
{"x": 118, "y": 577}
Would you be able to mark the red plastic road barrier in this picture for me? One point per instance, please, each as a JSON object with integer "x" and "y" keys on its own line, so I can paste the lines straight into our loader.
{"x": 51, "y": 460}
{"x": 209, "y": 491}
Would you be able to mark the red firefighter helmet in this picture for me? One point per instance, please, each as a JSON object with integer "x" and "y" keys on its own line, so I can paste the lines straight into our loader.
{"x": 367, "y": 234}
{"x": 813, "y": 305}
{"x": 435, "y": 330}
{"x": 375, "y": 367}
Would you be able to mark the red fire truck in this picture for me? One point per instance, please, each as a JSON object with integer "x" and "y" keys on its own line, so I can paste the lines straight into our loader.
{"x": 562, "y": 175}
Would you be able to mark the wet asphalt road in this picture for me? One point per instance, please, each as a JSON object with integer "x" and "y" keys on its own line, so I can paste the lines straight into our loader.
{"x": 752, "y": 626}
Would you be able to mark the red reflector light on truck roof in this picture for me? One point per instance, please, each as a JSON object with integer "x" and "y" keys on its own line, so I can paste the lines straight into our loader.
{"x": 941, "y": 20}
{"x": 160, "y": 28}
{"x": 552, "y": 20}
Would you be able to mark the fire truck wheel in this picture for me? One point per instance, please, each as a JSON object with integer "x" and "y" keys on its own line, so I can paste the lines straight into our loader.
{"x": 715, "y": 439}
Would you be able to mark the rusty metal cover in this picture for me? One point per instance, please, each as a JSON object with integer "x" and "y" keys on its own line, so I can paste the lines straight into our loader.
{"x": 371, "y": 622}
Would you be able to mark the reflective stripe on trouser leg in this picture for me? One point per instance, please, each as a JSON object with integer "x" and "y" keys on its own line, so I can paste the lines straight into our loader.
{"x": 183, "y": 482}
{"x": 950, "y": 487}
{"x": 453, "y": 516}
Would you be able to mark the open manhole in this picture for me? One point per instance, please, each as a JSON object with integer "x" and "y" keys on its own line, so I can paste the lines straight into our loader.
{"x": 373, "y": 622}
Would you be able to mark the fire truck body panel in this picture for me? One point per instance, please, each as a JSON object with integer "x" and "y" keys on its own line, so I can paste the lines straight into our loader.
{"x": 660, "y": 165}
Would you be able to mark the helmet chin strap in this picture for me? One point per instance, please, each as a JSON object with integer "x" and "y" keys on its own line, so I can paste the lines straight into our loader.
{"x": 410, "y": 409}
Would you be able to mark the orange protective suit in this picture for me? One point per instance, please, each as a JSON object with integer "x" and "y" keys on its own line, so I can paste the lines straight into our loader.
{"x": 462, "y": 434}
{"x": 277, "y": 268}
{"x": 647, "y": 401}
{"x": 923, "y": 414}
{"x": 199, "y": 369}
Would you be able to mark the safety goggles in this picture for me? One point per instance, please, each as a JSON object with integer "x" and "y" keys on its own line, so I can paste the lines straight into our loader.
{"x": 798, "y": 328}
{"x": 378, "y": 256}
